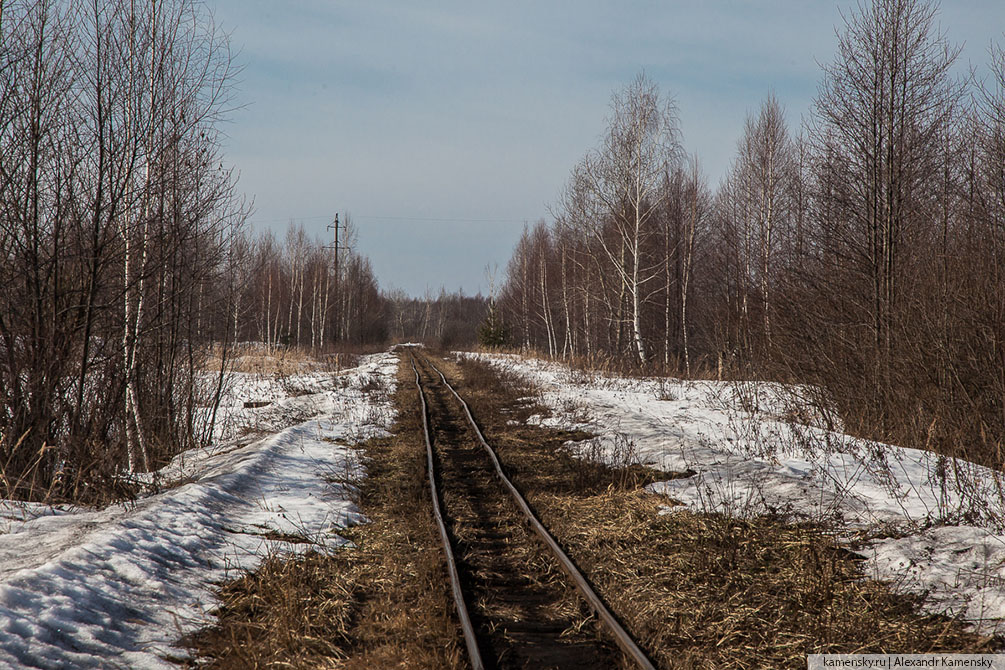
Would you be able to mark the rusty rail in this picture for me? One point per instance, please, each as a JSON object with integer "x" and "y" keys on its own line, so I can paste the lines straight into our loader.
{"x": 455, "y": 581}
{"x": 621, "y": 636}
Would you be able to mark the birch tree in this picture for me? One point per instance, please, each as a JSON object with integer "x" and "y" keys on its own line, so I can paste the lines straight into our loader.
{"x": 685, "y": 215}
{"x": 625, "y": 176}
{"x": 113, "y": 212}
{"x": 757, "y": 206}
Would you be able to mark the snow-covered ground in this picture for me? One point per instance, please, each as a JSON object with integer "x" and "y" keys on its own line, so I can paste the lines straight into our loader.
{"x": 118, "y": 588}
{"x": 939, "y": 523}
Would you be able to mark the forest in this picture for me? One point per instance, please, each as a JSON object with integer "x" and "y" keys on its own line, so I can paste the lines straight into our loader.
{"x": 128, "y": 265}
{"x": 859, "y": 254}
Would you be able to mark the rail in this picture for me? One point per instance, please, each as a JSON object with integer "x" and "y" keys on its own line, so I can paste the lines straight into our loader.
{"x": 623, "y": 639}
{"x": 470, "y": 640}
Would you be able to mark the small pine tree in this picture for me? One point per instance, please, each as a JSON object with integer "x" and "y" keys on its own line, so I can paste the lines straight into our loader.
{"x": 492, "y": 333}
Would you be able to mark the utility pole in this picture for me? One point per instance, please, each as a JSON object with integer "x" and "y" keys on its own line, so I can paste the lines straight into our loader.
{"x": 335, "y": 248}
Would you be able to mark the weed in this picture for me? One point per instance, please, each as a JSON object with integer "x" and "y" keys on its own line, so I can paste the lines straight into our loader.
{"x": 709, "y": 589}
{"x": 381, "y": 602}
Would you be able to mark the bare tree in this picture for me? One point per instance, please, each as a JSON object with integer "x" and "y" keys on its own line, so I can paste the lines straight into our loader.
{"x": 625, "y": 177}
{"x": 878, "y": 119}
{"x": 755, "y": 212}
{"x": 112, "y": 210}
{"x": 864, "y": 257}
{"x": 686, "y": 211}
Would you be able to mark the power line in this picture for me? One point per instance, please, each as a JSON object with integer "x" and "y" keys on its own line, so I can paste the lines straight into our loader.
{"x": 289, "y": 219}
{"x": 367, "y": 217}
{"x": 437, "y": 219}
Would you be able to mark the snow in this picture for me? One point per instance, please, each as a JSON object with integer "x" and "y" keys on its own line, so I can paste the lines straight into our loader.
{"x": 938, "y": 524}
{"x": 283, "y": 397}
{"x": 120, "y": 586}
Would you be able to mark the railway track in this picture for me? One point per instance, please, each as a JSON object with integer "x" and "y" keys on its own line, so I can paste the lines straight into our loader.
{"x": 516, "y": 607}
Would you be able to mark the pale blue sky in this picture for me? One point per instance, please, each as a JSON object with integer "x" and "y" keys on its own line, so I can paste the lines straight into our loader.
{"x": 442, "y": 127}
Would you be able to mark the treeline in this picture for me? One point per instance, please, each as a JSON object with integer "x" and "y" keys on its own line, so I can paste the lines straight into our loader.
{"x": 128, "y": 275}
{"x": 299, "y": 293}
{"x": 862, "y": 254}
{"x": 304, "y": 293}
{"x": 450, "y": 320}
{"x": 116, "y": 218}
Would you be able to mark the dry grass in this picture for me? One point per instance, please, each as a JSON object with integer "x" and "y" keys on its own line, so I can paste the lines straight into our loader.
{"x": 700, "y": 590}
{"x": 550, "y": 465}
{"x": 708, "y": 591}
{"x": 293, "y": 612}
{"x": 254, "y": 358}
{"x": 95, "y": 480}
{"x": 697, "y": 591}
{"x": 383, "y": 602}
{"x": 263, "y": 362}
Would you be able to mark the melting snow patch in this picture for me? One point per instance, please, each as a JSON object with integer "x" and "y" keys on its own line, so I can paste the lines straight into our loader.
{"x": 961, "y": 569}
{"x": 748, "y": 460}
{"x": 118, "y": 587}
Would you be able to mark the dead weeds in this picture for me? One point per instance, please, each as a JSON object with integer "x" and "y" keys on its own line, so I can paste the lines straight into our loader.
{"x": 701, "y": 590}
{"x": 294, "y": 612}
{"x": 383, "y": 601}
{"x": 709, "y": 591}
{"x": 698, "y": 591}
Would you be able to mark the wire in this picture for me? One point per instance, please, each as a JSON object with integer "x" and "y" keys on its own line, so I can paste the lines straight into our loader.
{"x": 366, "y": 217}
{"x": 289, "y": 219}
{"x": 435, "y": 219}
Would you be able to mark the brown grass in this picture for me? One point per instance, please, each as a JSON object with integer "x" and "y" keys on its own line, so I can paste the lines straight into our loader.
{"x": 701, "y": 590}
{"x": 708, "y": 591}
{"x": 256, "y": 358}
{"x": 384, "y": 602}
{"x": 697, "y": 590}
{"x": 94, "y": 480}
{"x": 263, "y": 362}
{"x": 293, "y": 612}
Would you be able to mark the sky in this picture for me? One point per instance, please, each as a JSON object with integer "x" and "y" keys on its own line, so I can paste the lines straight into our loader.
{"x": 444, "y": 128}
